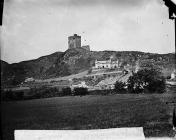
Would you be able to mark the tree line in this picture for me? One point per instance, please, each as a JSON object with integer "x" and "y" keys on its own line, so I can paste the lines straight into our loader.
{"x": 144, "y": 81}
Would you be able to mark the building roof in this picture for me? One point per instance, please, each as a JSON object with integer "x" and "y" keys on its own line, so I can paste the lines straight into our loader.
{"x": 107, "y": 61}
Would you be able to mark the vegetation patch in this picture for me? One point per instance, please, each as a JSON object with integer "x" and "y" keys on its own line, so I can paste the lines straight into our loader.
{"x": 146, "y": 81}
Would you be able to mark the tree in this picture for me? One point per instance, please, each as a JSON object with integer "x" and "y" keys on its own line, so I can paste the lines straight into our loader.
{"x": 80, "y": 91}
{"x": 66, "y": 91}
{"x": 146, "y": 81}
{"x": 120, "y": 86}
{"x": 18, "y": 95}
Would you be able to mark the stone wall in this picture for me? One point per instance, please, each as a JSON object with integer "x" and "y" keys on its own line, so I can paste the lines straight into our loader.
{"x": 86, "y": 47}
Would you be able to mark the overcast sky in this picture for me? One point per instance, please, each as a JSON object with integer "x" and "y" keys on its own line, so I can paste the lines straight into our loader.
{"x": 33, "y": 28}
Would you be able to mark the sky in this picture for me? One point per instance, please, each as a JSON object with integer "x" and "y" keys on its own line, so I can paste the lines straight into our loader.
{"x": 34, "y": 28}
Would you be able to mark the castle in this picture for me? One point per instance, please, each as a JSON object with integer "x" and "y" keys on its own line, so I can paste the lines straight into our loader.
{"x": 75, "y": 42}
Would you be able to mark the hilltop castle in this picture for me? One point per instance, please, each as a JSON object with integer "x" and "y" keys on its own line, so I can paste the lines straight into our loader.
{"x": 75, "y": 42}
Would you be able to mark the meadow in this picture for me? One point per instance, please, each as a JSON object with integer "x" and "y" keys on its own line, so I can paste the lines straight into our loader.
{"x": 149, "y": 111}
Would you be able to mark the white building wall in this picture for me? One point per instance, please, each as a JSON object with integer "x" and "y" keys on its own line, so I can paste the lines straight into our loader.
{"x": 173, "y": 75}
{"x": 106, "y": 64}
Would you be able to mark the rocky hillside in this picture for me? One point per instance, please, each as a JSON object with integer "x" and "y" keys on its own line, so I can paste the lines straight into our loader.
{"x": 73, "y": 61}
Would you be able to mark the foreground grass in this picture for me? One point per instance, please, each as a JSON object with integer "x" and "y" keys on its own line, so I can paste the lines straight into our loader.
{"x": 91, "y": 112}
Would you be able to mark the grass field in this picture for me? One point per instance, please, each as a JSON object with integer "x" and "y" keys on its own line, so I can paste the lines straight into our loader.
{"x": 91, "y": 112}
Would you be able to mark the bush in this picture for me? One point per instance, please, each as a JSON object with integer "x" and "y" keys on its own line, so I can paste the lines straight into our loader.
{"x": 44, "y": 92}
{"x": 10, "y": 95}
{"x": 6, "y": 95}
{"x": 80, "y": 91}
{"x": 18, "y": 95}
{"x": 90, "y": 71}
{"x": 146, "y": 81}
{"x": 120, "y": 87}
{"x": 66, "y": 91}
{"x": 169, "y": 77}
{"x": 33, "y": 93}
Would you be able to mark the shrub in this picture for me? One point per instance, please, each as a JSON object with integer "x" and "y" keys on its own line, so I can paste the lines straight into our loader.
{"x": 80, "y": 91}
{"x": 33, "y": 93}
{"x": 18, "y": 95}
{"x": 169, "y": 77}
{"x": 89, "y": 71}
{"x": 44, "y": 92}
{"x": 6, "y": 95}
{"x": 66, "y": 91}
{"x": 10, "y": 95}
{"x": 120, "y": 87}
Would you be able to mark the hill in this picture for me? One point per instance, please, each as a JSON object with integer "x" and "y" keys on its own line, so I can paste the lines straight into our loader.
{"x": 73, "y": 61}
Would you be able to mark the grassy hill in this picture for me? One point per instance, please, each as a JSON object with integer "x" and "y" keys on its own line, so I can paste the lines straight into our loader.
{"x": 74, "y": 61}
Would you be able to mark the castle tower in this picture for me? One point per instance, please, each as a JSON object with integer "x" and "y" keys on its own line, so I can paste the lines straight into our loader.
{"x": 74, "y": 41}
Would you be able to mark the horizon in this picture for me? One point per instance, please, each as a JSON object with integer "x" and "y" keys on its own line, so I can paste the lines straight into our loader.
{"x": 32, "y": 29}
{"x": 90, "y": 51}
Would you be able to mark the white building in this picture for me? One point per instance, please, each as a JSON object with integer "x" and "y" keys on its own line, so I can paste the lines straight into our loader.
{"x": 31, "y": 79}
{"x": 81, "y": 84}
{"x": 109, "y": 64}
{"x": 173, "y": 75}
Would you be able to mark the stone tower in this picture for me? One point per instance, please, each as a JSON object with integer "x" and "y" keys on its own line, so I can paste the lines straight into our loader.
{"x": 74, "y": 41}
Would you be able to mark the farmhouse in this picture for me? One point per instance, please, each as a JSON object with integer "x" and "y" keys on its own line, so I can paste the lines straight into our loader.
{"x": 107, "y": 64}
